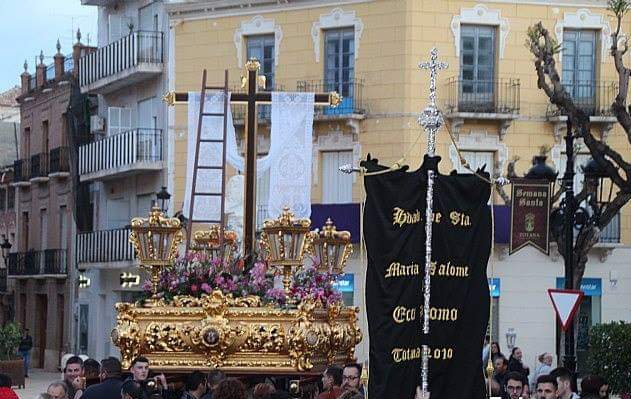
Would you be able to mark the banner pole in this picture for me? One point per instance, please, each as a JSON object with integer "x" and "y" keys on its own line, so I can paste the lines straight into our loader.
{"x": 431, "y": 120}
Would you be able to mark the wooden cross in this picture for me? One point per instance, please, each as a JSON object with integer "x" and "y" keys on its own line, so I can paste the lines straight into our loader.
{"x": 252, "y": 98}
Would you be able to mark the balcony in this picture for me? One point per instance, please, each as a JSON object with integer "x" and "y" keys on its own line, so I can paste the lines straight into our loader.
{"x": 21, "y": 172}
{"x": 129, "y": 60}
{"x": 131, "y": 152}
{"x": 46, "y": 263}
{"x": 104, "y": 247}
{"x": 352, "y": 106}
{"x": 487, "y": 100}
{"x": 39, "y": 168}
{"x": 59, "y": 165}
{"x": 595, "y": 99}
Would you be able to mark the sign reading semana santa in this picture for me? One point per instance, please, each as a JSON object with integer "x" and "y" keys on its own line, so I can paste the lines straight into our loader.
{"x": 530, "y": 211}
{"x": 394, "y": 229}
{"x": 566, "y": 304}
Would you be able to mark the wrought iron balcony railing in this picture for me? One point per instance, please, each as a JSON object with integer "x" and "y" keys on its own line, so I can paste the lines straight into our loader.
{"x": 21, "y": 170}
{"x": 39, "y": 165}
{"x": 498, "y": 96}
{"x": 35, "y": 263}
{"x": 59, "y": 160}
{"x": 351, "y": 92}
{"x": 124, "y": 150}
{"x": 134, "y": 50}
{"x": 104, "y": 246}
{"x": 593, "y": 97}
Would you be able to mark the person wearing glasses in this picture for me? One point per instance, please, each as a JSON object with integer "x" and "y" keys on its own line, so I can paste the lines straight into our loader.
{"x": 514, "y": 385}
{"x": 351, "y": 379}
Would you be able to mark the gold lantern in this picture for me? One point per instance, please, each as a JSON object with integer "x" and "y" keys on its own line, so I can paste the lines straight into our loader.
{"x": 331, "y": 248}
{"x": 285, "y": 240}
{"x": 209, "y": 242}
{"x": 155, "y": 240}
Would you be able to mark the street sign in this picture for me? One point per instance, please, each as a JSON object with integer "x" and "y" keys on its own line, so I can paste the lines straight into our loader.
{"x": 565, "y": 303}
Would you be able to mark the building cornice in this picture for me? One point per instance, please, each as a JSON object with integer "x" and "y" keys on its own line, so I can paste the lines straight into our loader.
{"x": 181, "y": 10}
{"x": 554, "y": 3}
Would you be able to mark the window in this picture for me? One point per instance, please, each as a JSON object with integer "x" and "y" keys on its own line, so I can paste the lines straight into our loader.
{"x": 262, "y": 48}
{"x": 339, "y": 62}
{"x": 3, "y": 195}
{"x": 477, "y": 67}
{"x": 63, "y": 227}
{"x": 27, "y": 143}
{"x": 337, "y": 187}
{"x": 147, "y": 132}
{"x": 118, "y": 120}
{"x": 579, "y": 65}
{"x": 24, "y": 232}
{"x": 84, "y": 323}
{"x": 118, "y": 215}
{"x": 478, "y": 159}
{"x": 143, "y": 204}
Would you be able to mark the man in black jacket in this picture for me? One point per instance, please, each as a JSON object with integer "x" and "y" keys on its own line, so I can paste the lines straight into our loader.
{"x": 110, "y": 386}
{"x": 26, "y": 344}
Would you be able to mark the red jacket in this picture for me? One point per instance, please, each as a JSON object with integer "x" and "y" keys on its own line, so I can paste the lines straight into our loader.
{"x": 8, "y": 393}
{"x": 331, "y": 394}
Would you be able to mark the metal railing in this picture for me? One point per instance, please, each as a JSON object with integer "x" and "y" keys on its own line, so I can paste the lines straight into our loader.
{"x": 34, "y": 263}
{"x": 59, "y": 158}
{"x": 127, "y": 52}
{"x": 39, "y": 165}
{"x": 68, "y": 63}
{"x": 611, "y": 232}
{"x": 104, "y": 246}
{"x": 263, "y": 111}
{"x": 498, "y": 96}
{"x": 351, "y": 92}
{"x": 593, "y": 97}
{"x": 50, "y": 73}
{"x": 21, "y": 170}
{"x": 126, "y": 148}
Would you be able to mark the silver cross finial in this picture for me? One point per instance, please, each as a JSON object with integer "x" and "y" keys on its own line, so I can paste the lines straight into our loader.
{"x": 431, "y": 118}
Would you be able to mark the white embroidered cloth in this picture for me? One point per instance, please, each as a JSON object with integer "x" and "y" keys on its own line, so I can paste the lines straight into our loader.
{"x": 290, "y": 169}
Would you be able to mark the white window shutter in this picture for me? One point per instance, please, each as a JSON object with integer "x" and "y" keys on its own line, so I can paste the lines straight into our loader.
{"x": 114, "y": 23}
{"x": 337, "y": 188}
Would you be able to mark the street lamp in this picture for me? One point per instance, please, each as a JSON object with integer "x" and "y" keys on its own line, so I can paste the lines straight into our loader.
{"x": 511, "y": 338}
{"x": 6, "y": 247}
{"x": 164, "y": 197}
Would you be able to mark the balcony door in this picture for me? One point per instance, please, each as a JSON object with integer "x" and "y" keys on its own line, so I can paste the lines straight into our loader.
{"x": 262, "y": 47}
{"x": 339, "y": 66}
{"x": 477, "y": 68}
{"x": 147, "y": 130}
{"x": 148, "y": 37}
{"x": 579, "y": 66}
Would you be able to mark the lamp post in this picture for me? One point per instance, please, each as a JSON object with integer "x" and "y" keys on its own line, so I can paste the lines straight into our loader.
{"x": 164, "y": 197}
{"x": 6, "y": 247}
{"x": 511, "y": 338}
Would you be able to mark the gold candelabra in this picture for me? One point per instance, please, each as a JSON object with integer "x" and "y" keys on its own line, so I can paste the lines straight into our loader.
{"x": 209, "y": 242}
{"x": 155, "y": 240}
{"x": 331, "y": 248}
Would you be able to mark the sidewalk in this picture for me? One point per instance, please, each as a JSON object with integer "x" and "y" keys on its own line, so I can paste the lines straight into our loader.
{"x": 37, "y": 383}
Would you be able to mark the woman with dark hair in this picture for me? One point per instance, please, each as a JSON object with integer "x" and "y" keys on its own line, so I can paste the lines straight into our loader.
{"x": 515, "y": 362}
{"x": 590, "y": 387}
{"x": 230, "y": 388}
{"x": 495, "y": 351}
{"x": 5, "y": 388}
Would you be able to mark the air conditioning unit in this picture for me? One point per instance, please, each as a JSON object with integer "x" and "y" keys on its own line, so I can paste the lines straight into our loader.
{"x": 97, "y": 124}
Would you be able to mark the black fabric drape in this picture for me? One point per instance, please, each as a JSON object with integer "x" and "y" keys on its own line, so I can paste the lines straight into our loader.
{"x": 394, "y": 229}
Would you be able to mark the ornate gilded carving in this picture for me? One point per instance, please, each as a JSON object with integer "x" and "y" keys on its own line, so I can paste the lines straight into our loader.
{"x": 239, "y": 335}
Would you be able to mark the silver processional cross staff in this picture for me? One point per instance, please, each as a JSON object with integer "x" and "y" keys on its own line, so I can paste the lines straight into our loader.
{"x": 431, "y": 120}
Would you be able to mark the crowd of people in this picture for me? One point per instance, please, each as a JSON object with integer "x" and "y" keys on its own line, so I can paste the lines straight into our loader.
{"x": 511, "y": 379}
{"x": 90, "y": 379}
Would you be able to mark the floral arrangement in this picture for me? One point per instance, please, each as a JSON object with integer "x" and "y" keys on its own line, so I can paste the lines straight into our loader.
{"x": 196, "y": 274}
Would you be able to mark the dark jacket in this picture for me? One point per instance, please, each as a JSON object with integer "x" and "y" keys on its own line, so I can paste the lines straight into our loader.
{"x": 108, "y": 389}
{"x": 25, "y": 344}
{"x": 518, "y": 366}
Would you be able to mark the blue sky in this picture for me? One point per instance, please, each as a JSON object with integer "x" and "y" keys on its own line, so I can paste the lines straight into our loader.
{"x": 28, "y": 26}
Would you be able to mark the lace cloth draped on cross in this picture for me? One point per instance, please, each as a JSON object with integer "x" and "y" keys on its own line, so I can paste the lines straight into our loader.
{"x": 289, "y": 155}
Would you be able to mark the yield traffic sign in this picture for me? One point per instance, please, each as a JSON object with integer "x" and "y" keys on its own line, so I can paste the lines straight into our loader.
{"x": 565, "y": 303}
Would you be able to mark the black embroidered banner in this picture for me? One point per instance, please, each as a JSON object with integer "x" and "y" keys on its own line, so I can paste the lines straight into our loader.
{"x": 394, "y": 228}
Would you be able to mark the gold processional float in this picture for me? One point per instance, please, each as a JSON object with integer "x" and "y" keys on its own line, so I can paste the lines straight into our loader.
{"x": 243, "y": 334}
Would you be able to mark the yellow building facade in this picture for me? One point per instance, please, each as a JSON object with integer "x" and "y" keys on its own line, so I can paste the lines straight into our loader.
{"x": 370, "y": 51}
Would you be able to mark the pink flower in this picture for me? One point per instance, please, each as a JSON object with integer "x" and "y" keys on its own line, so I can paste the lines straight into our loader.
{"x": 194, "y": 288}
{"x": 206, "y": 288}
